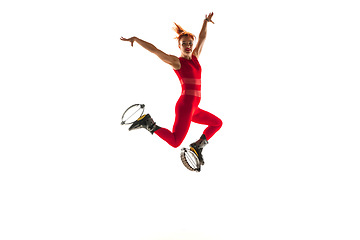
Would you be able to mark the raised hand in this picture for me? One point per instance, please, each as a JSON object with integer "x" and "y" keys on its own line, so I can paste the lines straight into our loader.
{"x": 131, "y": 40}
{"x": 208, "y": 17}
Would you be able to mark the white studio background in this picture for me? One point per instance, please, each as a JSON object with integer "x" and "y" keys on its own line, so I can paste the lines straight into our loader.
{"x": 282, "y": 75}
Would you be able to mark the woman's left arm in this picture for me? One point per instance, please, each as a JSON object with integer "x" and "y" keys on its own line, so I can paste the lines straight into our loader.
{"x": 202, "y": 35}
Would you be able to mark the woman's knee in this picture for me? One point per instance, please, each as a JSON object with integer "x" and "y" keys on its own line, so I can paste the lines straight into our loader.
{"x": 175, "y": 144}
{"x": 219, "y": 123}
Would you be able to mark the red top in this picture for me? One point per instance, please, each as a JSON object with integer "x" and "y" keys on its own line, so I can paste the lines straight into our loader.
{"x": 190, "y": 76}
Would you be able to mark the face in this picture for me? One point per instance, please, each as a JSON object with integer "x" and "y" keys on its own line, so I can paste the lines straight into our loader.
{"x": 186, "y": 45}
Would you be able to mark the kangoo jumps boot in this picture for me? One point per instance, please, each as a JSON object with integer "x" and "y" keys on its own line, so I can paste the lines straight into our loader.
{"x": 198, "y": 146}
{"x": 145, "y": 121}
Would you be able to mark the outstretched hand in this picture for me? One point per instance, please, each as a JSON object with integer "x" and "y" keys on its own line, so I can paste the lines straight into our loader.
{"x": 131, "y": 40}
{"x": 208, "y": 17}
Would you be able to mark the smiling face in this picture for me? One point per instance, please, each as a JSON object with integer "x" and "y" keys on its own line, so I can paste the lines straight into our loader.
{"x": 186, "y": 46}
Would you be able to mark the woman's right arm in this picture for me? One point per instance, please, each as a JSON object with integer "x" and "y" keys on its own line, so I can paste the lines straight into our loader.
{"x": 169, "y": 59}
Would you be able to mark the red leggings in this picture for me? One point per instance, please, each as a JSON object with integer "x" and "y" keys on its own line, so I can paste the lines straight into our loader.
{"x": 187, "y": 111}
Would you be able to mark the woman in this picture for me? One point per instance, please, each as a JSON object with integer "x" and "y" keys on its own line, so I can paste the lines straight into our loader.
{"x": 188, "y": 71}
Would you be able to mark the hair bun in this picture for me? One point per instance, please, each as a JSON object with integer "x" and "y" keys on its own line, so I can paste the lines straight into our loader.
{"x": 181, "y": 32}
{"x": 178, "y": 29}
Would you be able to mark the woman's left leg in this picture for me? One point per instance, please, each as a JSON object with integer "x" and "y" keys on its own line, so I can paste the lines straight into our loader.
{"x": 203, "y": 117}
{"x": 214, "y": 124}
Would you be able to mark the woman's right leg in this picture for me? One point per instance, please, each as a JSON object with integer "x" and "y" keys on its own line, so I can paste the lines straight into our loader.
{"x": 183, "y": 114}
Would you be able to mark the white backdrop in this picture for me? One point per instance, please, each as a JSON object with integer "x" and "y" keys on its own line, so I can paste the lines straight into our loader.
{"x": 282, "y": 75}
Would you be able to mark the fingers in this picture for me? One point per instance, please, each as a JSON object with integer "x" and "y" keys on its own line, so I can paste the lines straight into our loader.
{"x": 210, "y": 15}
{"x": 125, "y": 39}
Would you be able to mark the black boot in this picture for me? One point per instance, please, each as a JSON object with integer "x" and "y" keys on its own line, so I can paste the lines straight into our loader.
{"x": 198, "y": 146}
{"x": 145, "y": 121}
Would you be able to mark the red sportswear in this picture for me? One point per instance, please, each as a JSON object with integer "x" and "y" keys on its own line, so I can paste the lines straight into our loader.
{"x": 186, "y": 109}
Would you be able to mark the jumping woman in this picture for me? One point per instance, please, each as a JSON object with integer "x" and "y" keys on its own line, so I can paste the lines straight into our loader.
{"x": 188, "y": 70}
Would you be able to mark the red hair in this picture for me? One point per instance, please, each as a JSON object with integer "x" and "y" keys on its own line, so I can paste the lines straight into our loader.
{"x": 181, "y": 32}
